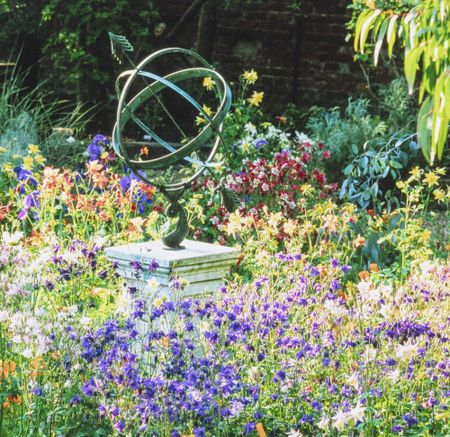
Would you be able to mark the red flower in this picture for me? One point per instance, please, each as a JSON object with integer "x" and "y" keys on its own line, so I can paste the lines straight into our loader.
{"x": 326, "y": 154}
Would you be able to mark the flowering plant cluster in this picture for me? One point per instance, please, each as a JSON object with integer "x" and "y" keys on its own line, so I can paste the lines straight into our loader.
{"x": 333, "y": 322}
{"x": 287, "y": 178}
{"x": 299, "y": 351}
{"x": 78, "y": 203}
{"x": 48, "y": 290}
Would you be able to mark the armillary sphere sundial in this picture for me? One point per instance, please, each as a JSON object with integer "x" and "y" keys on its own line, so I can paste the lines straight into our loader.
{"x": 150, "y": 87}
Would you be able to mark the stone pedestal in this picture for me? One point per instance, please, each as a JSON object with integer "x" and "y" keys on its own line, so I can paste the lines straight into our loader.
{"x": 202, "y": 265}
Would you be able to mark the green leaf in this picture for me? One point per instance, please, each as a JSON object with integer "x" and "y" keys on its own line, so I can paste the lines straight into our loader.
{"x": 366, "y": 26}
{"x": 391, "y": 34}
{"x": 358, "y": 26}
{"x": 380, "y": 39}
{"x": 411, "y": 65}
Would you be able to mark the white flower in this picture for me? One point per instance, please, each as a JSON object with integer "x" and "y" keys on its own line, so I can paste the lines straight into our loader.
{"x": 323, "y": 424}
{"x": 353, "y": 380}
{"x": 4, "y": 316}
{"x": 250, "y": 129}
{"x": 85, "y": 321}
{"x": 369, "y": 354}
{"x": 293, "y": 433}
{"x": 27, "y": 353}
{"x": 357, "y": 413}
{"x": 10, "y": 239}
{"x": 406, "y": 351}
{"x": 340, "y": 419}
{"x": 302, "y": 138}
{"x": 235, "y": 408}
{"x": 393, "y": 375}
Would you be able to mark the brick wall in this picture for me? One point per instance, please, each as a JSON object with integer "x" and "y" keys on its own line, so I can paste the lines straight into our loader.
{"x": 304, "y": 60}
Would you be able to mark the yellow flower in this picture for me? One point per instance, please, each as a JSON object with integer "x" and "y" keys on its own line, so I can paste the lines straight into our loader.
{"x": 28, "y": 162}
{"x": 441, "y": 170}
{"x": 425, "y": 235}
{"x": 439, "y": 195}
{"x": 289, "y": 227}
{"x": 39, "y": 159}
{"x": 7, "y": 167}
{"x": 33, "y": 148}
{"x": 199, "y": 120}
{"x": 416, "y": 172}
{"x": 250, "y": 76}
{"x": 256, "y": 98}
{"x": 207, "y": 110}
{"x": 208, "y": 83}
{"x": 234, "y": 223}
{"x": 274, "y": 220}
{"x": 306, "y": 189}
{"x": 2, "y": 150}
{"x": 245, "y": 146}
{"x": 431, "y": 178}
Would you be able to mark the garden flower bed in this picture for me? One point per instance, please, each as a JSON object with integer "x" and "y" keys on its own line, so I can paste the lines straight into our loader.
{"x": 310, "y": 336}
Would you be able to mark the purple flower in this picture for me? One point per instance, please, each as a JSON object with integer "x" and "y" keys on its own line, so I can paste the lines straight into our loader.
{"x": 335, "y": 285}
{"x": 260, "y": 143}
{"x": 396, "y": 429}
{"x": 136, "y": 265}
{"x": 153, "y": 265}
{"x": 249, "y": 427}
{"x": 199, "y": 432}
{"x": 119, "y": 426}
{"x": 75, "y": 400}
{"x": 334, "y": 263}
{"x": 24, "y": 175}
{"x": 37, "y": 391}
{"x": 410, "y": 419}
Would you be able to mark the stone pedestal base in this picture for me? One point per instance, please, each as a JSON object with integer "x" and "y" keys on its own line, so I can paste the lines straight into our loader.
{"x": 202, "y": 265}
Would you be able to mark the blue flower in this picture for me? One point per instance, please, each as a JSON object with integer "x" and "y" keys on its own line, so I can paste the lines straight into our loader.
{"x": 260, "y": 143}
{"x": 396, "y": 429}
{"x": 120, "y": 426}
{"x": 249, "y": 427}
{"x": 410, "y": 419}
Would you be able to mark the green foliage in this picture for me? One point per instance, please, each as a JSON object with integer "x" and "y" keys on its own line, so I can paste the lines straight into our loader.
{"x": 345, "y": 133}
{"x": 423, "y": 27}
{"x": 74, "y": 38}
{"x": 368, "y": 171}
{"x": 34, "y": 116}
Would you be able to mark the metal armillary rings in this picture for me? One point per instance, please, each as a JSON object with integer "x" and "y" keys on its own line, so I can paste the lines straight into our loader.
{"x": 209, "y": 137}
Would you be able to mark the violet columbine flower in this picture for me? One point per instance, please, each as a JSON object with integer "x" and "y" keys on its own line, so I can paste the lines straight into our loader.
{"x": 120, "y": 426}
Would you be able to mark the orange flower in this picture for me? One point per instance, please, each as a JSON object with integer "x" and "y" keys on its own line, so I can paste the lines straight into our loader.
{"x": 35, "y": 239}
{"x": 364, "y": 275}
{"x": 7, "y": 368}
{"x": 36, "y": 365}
{"x": 100, "y": 179}
{"x": 144, "y": 151}
{"x": 15, "y": 398}
{"x": 358, "y": 242}
{"x": 374, "y": 268}
{"x": 93, "y": 167}
{"x": 4, "y": 210}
